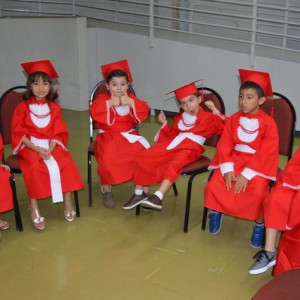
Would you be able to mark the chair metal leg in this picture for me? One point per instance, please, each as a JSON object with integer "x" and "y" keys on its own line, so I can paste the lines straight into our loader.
{"x": 204, "y": 218}
{"x": 138, "y": 210}
{"x": 77, "y": 204}
{"x": 90, "y": 178}
{"x": 18, "y": 219}
{"x": 188, "y": 203}
{"x": 175, "y": 189}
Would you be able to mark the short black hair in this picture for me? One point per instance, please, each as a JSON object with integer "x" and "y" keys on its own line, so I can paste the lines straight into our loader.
{"x": 116, "y": 73}
{"x": 252, "y": 85}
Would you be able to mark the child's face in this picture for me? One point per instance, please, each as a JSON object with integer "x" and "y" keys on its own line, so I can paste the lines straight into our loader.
{"x": 40, "y": 88}
{"x": 249, "y": 101}
{"x": 118, "y": 86}
{"x": 190, "y": 104}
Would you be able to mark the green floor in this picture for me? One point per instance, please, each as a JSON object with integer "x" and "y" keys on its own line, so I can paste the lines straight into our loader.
{"x": 112, "y": 254}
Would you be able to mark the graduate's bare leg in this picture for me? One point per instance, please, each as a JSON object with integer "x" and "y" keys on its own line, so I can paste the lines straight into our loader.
{"x": 271, "y": 235}
{"x": 69, "y": 212}
{"x": 37, "y": 220}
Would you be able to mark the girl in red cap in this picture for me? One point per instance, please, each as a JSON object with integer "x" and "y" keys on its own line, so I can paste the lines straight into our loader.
{"x": 246, "y": 159}
{"x": 116, "y": 115}
{"x": 6, "y": 199}
{"x": 176, "y": 146}
{"x": 39, "y": 137}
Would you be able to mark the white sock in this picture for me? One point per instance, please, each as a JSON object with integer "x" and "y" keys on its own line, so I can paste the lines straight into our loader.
{"x": 159, "y": 195}
{"x": 138, "y": 192}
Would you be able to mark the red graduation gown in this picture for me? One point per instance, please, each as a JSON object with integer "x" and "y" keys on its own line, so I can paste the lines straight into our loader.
{"x": 282, "y": 206}
{"x": 114, "y": 153}
{"x": 288, "y": 256}
{"x": 35, "y": 172}
{"x": 6, "y": 199}
{"x": 264, "y": 162}
{"x": 158, "y": 163}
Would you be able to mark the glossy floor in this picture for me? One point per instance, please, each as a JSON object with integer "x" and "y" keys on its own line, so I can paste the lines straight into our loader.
{"x": 112, "y": 254}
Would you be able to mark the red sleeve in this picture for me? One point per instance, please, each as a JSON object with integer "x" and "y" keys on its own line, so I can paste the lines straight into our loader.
{"x": 291, "y": 173}
{"x": 60, "y": 130}
{"x": 1, "y": 148}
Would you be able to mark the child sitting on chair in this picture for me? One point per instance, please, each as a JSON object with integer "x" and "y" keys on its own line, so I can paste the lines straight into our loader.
{"x": 117, "y": 115}
{"x": 40, "y": 137}
{"x": 246, "y": 159}
{"x": 6, "y": 198}
{"x": 281, "y": 213}
{"x": 176, "y": 146}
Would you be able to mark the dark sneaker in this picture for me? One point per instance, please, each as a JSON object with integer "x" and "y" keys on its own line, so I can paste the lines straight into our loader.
{"x": 108, "y": 199}
{"x": 153, "y": 202}
{"x": 264, "y": 261}
{"x": 215, "y": 222}
{"x": 258, "y": 235}
{"x": 135, "y": 200}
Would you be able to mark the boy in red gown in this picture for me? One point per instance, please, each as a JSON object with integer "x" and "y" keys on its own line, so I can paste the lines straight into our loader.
{"x": 176, "y": 146}
{"x": 281, "y": 213}
{"x": 40, "y": 137}
{"x": 117, "y": 115}
{"x": 246, "y": 159}
{"x": 6, "y": 199}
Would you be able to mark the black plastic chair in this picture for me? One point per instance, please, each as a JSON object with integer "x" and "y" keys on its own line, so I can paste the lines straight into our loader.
{"x": 282, "y": 110}
{"x": 99, "y": 88}
{"x": 8, "y": 102}
{"x": 200, "y": 166}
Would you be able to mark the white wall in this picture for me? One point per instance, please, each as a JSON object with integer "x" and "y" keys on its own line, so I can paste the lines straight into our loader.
{"x": 170, "y": 64}
{"x": 62, "y": 40}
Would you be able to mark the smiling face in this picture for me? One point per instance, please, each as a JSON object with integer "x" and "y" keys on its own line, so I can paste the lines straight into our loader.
{"x": 40, "y": 88}
{"x": 190, "y": 104}
{"x": 118, "y": 86}
{"x": 249, "y": 101}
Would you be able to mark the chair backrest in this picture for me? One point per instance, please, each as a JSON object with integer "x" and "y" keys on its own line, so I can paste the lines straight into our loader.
{"x": 99, "y": 88}
{"x": 8, "y": 102}
{"x": 212, "y": 95}
{"x": 284, "y": 114}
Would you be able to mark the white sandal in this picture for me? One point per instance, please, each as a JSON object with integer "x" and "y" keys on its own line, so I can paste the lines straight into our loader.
{"x": 38, "y": 221}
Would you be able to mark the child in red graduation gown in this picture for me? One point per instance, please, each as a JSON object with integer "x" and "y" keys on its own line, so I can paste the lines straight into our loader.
{"x": 282, "y": 213}
{"x": 117, "y": 115}
{"x": 176, "y": 146}
{"x": 246, "y": 159}
{"x": 40, "y": 137}
{"x": 6, "y": 199}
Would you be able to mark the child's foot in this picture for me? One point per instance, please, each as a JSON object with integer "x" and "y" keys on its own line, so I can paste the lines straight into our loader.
{"x": 4, "y": 225}
{"x": 215, "y": 222}
{"x": 69, "y": 212}
{"x": 258, "y": 235}
{"x": 153, "y": 201}
{"x": 108, "y": 200}
{"x": 37, "y": 220}
{"x": 264, "y": 261}
{"x": 135, "y": 200}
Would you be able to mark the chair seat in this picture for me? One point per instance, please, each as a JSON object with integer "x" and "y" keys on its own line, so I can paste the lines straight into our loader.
{"x": 202, "y": 163}
{"x": 13, "y": 161}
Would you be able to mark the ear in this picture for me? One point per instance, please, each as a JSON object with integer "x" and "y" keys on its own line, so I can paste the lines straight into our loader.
{"x": 107, "y": 86}
{"x": 262, "y": 100}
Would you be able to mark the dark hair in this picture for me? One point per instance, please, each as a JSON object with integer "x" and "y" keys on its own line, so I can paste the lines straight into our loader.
{"x": 116, "y": 73}
{"x": 33, "y": 77}
{"x": 252, "y": 85}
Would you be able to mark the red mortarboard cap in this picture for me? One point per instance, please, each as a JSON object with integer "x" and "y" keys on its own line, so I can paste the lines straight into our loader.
{"x": 40, "y": 66}
{"x": 263, "y": 79}
{"x": 186, "y": 90}
{"x": 118, "y": 65}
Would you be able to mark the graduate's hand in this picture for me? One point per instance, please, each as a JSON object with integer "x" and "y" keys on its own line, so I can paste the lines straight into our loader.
{"x": 162, "y": 117}
{"x": 114, "y": 101}
{"x": 241, "y": 184}
{"x": 209, "y": 104}
{"x": 43, "y": 152}
{"x": 6, "y": 167}
{"x": 229, "y": 177}
{"x": 126, "y": 100}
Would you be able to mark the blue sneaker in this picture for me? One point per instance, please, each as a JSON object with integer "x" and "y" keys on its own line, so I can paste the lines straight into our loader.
{"x": 258, "y": 235}
{"x": 215, "y": 221}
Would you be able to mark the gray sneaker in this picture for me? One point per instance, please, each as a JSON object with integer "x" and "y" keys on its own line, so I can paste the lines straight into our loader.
{"x": 108, "y": 199}
{"x": 264, "y": 261}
